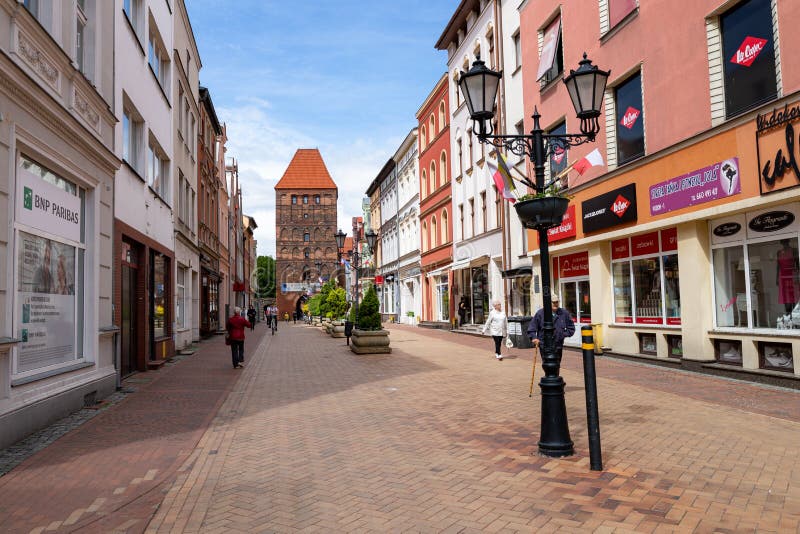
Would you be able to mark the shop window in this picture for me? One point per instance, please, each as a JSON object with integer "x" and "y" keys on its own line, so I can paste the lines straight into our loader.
{"x": 748, "y": 50}
{"x": 776, "y": 356}
{"x": 647, "y": 288}
{"x": 672, "y": 297}
{"x": 50, "y": 270}
{"x": 630, "y": 119}
{"x": 551, "y": 58}
{"x": 623, "y": 308}
{"x": 180, "y": 297}
{"x": 647, "y": 344}
{"x": 558, "y": 152}
{"x": 728, "y": 351}
{"x": 675, "y": 346}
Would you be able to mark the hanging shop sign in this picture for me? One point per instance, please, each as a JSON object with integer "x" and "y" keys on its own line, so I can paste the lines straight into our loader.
{"x": 378, "y": 279}
{"x": 716, "y": 181}
{"x": 573, "y": 265}
{"x": 610, "y": 209}
{"x": 566, "y": 229}
{"x": 778, "y": 148}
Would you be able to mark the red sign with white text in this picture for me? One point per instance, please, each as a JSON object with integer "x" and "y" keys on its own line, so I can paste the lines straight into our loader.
{"x": 748, "y": 51}
{"x": 629, "y": 119}
{"x": 649, "y": 320}
{"x": 644, "y": 244}
{"x": 573, "y": 265}
{"x": 564, "y": 230}
{"x": 669, "y": 239}
{"x": 378, "y": 279}
{"x": 620, "y": 249}
{"x": 674, "y": 320}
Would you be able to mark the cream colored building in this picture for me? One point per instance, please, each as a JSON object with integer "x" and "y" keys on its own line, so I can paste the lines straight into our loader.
{"x": 56, "y": 197}
{"x": 185, "y": 94}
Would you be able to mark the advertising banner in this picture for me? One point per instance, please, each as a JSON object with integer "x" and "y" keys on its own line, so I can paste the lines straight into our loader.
{"x": 46, "y": 207}
{"x": 566, "y": 229}
{"x": 46, "y": 298}
{"x": 610, "y": 209}
{"x": 716, "y": 181}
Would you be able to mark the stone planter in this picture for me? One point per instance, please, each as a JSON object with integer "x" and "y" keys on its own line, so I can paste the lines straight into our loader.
{"x": 370, "y": 342}
{"x": 542, "y": 213}
{"x": 338, "y": 329}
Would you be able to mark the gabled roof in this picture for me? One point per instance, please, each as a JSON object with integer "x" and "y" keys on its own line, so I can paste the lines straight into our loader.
{"x": 306, "y": 171}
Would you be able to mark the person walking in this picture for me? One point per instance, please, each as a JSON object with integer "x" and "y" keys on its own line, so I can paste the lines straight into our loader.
{"x": 497, "y": 326}
{"x": 563, "y": 326}
{"x": 235, "y": 327}
{"x": 251, "y": 316}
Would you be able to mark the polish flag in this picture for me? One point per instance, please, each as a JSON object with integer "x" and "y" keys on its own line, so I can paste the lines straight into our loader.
{"x": 592, "y": 159}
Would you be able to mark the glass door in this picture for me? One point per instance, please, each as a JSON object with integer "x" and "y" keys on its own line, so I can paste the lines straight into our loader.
{"x": 575, "y": 299}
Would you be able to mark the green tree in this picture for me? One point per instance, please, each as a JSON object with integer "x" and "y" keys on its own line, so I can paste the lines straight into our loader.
{"x": 337, "y": 303}
{"x": 313, "y": 304}
{"x": 369, "y": 317}
{"x": 327, "y": 287}
{"x": 265, "y": 277}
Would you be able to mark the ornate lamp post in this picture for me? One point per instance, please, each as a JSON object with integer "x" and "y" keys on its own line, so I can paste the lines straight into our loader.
{"x": 586, "y": 87}
{"x": 355, "y": 253}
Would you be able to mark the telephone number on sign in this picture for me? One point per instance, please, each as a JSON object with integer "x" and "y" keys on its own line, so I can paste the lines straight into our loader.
{"x": 707, "y": 194}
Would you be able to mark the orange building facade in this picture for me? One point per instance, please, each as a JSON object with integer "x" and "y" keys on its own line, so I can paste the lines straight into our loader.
{"x": 436, "y": 226}
{"x": 683, "y": 244}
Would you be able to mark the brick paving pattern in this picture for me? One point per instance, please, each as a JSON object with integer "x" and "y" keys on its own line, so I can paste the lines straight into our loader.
{"x": 436, "y": 437}
{"x": 441, "y": 437}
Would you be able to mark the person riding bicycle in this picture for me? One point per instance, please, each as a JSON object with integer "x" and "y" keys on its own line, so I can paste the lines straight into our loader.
{"x": 274, "y": 315}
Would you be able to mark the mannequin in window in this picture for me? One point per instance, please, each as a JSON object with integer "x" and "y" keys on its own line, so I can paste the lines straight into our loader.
{"x": 788, "y": 275}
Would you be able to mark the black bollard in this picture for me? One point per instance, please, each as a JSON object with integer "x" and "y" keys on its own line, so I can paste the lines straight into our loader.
{"x": 592, "y": 416}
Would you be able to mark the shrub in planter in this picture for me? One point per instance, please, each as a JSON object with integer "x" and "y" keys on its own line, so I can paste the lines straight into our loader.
{"x": 369, "y": 316}
{"x": 369, "y": 337}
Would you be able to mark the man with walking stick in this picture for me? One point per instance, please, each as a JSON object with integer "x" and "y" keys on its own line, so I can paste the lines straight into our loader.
{"x": 563, "y": 326}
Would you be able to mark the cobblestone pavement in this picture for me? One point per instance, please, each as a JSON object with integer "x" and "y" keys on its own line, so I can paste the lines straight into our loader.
{"x": 107, "y": 471}
{"x": 441, "y": 437}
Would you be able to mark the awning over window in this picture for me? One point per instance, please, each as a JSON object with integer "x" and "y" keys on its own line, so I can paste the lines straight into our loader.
{"x": 549, "y": 48}
{"x": 518, "y": 272}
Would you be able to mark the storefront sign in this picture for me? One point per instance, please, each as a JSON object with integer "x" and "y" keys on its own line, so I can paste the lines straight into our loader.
{"x": 610, "y": 209}
{"x": 771, "y": 221}
{"x": 566, "y": 229}
{"x": 778, "y": 148}
{"x": 727, "y": 229}
{"x": 621, "y": 248}
{"x": 704, "y": 185}
{"x": 748, "y": 51}
{"x": 644, "y": 244}
{"x": 378, "y": 279}
{"x": 46, "y": 207}
{"x": 669, "y": 239}
{"x": 573, "y": 265}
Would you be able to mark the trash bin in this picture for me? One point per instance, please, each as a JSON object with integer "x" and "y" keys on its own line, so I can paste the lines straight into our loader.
{"x": 518, "y": 331}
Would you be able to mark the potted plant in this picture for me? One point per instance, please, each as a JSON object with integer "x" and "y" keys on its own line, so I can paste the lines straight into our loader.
{"x": 313, "y": 308}
{"x": 337, "y": 304}
{"x": 368, "y": 336}
{"x": 542, "y": 210}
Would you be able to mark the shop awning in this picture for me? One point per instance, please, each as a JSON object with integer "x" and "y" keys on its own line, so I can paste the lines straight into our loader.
{"x": 439, "y": 271}
{"x": 518, "y": 272}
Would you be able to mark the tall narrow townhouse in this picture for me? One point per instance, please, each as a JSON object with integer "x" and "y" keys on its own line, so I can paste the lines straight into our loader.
{"x": 477, "y": 206}
{"x": 435, "y": 211}
{"x": 387, "y": 283}
{"x": 227, "y": 179}
{"x": 185, "y": 94}
{"x": 56, "y": 197}
{"x": 409, "y": 282}
{"x": 695, "y": 205}
{"x": 209, "y": 227}
{"x": 248, "y": 253}
{"x": 372, "y": 215}
{"x": 143, "y": 230}
{"x": 517, "y": 271}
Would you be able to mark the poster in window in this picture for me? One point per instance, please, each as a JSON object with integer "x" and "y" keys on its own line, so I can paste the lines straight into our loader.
{"x": 46, "y": 298}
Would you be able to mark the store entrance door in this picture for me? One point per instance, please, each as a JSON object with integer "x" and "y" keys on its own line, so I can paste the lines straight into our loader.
{"x": 575, "y": 299}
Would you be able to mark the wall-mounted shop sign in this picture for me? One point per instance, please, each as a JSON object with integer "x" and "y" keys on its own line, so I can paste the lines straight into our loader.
{"x": 44, "y": 206}
{"x": 778, "y": 148}
{"x": 645, "y": 244}
{"x": 779, "y": 219}
{"x": 610, "y": 209}
{"x": 716, "y": 181}
{"x": 572, "y": 265}
{"x": 566, "y": 229}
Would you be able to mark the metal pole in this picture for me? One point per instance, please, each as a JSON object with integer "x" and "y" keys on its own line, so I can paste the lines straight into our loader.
{"x": 590, "y": 383}
{"x": 554, "y": 440}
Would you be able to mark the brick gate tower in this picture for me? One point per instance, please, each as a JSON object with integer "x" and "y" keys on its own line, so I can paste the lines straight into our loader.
{"x": 305, "y": 223}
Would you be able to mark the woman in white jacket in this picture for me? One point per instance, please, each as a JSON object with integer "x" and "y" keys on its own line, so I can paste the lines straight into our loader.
{"x": 497, "y": 326}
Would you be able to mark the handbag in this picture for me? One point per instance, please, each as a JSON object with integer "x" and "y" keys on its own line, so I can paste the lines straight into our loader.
{"x": 227, "y": 339}
{"x": 509, "y": 343}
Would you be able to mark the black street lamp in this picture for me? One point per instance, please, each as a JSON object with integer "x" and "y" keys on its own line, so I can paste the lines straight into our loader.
{"x": 586, "y": 87}
{"x": 355, "y": 253}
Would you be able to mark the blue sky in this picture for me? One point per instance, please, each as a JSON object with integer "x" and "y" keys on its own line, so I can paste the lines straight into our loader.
{"x": 343, "y": 76}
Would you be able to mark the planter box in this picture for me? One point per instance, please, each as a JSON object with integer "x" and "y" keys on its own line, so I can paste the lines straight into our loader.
{"x": 542, "y": 213}
{"x": 337, "y": 330}
{"x": 370, "y": 342}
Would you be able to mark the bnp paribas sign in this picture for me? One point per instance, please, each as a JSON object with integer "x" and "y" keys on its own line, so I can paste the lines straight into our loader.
{"x": 46, "y": 207}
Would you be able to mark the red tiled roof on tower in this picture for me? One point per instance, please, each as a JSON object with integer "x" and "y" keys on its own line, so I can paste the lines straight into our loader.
{"x": 306, "y": 171}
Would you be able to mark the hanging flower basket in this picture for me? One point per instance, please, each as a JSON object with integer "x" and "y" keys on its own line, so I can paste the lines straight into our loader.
{"x": 542, "y": 212}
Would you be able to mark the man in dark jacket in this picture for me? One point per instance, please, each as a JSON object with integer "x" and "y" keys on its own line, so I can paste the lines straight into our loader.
{"x": 563, "y": 326}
